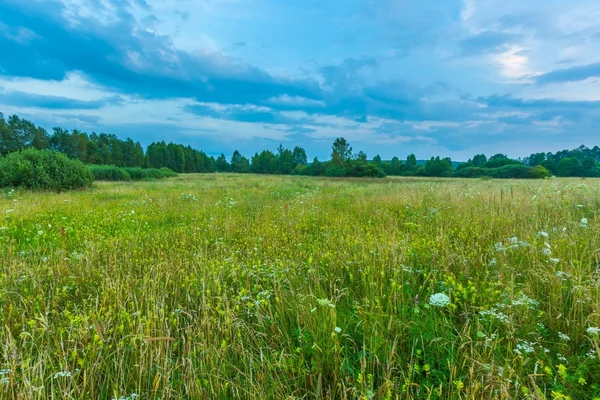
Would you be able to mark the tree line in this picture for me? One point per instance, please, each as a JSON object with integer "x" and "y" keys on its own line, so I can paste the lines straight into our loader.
{"x": 107, "y": 149}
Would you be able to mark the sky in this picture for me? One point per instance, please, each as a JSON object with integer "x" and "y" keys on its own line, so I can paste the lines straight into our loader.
{"x": 449, "y": 78}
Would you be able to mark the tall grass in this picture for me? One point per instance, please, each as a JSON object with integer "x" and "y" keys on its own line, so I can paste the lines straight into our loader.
{"x": 206, "y": 287}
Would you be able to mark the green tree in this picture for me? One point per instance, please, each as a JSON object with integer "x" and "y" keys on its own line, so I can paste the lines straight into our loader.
{"x": 341, "y": 151}
{"x": 411, "y": 163}
{"x": 479, "y": 160}
{"x": 567, "y": 166}
{"x": 221, "y": 164}
{"x": 299, "y": 156}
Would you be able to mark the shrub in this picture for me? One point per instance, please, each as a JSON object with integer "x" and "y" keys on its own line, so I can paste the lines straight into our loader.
{"x": 539, "y": 172}
{"x": 473, "y": 172}
{"x": 112, "y": 173}
{"x": 43, "y": 170}
{"x": 510, "y": 171}
{"x": 336, "y": 171}
{"x": 109, "y": 173}
{"x": 515, "y": 171}
{"x": 167, "y": 173}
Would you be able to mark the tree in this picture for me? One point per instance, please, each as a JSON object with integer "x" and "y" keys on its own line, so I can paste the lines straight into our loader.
{"x": 411, "y": 163}
{"x": 342, "y": 152}
{"x": 567, "y": 166}
{"x": 221, "y": 164}
{"x": 239, "y": 163}
{"x": 285, "y": 160}
{"x": 299, "y": 156}
{"x": 479, "y": 160}
{"x": 394, "y": 167}
{"x": 361, "y": 157}
{"x": 535, "y": 159}
{"x": 377, "y": 160}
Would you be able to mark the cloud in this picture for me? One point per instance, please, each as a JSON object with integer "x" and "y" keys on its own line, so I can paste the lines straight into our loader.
{"x": 484, "y": 42}
{"x": 573, "y": 74}
{"x": 22, "y": 99}
{"x": 135, "y": 61}
{"x": 218, "y": 74}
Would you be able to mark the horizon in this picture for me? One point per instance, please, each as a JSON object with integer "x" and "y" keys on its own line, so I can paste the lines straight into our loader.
{"x": 424, "y": 78}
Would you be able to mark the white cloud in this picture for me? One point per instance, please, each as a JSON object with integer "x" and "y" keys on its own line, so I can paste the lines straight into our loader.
{"x": 512, "y": 62}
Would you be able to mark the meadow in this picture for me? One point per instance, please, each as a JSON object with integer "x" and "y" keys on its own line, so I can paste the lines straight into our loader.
{"x": 260, "y": 287}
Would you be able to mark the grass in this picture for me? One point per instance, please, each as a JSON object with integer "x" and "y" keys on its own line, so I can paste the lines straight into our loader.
{"x": 228, "y": 286}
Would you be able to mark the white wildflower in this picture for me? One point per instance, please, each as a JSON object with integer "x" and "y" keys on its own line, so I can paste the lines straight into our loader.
{"x": 524, "y": 347}
{"x": 439, "y": 300}
{"x": 554, "y": 260}
{"x": 63, "y": 374}
{"x": 543, "y": 234}
{"x": 337, "y": 329}
{"x": 492, "y": 262}
{"x": 40, "y": 232}
{"x": 584, "y": 221}
{"x": 526, "y": 301}
{"x": 500, "y": 316}
{"x": 593, "y": 331}
{"x": 563, "y": 336}
{"x": 547, "y": 251}
{"x": 4, "y": 381}
{"x": 499, "y": 247}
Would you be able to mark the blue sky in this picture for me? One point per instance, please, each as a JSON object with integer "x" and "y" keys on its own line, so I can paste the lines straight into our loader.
{"x": 430, "y": 77}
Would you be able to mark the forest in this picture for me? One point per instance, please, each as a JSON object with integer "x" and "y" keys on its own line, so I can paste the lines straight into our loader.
{"x": 18, "y": 133}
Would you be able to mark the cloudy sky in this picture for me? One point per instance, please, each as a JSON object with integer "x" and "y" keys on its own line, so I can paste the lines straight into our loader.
{"x": 450, "y": 78}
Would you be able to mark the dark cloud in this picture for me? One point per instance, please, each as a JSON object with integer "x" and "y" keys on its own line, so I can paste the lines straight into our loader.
{"x": 573, "y": 74}
{"x": 134, "y": 61}
{"x": 21, "y": 99}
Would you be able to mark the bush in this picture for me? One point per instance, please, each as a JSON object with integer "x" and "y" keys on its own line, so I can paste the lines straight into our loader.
{"x": 167, "y": 173}
{"x": 368, "y": 170}
{"x": 112, "y": 173}
{"x": 473, "y": 172}
{"x": 336, "y": 171}
{"x": 510, "y": 171}
{"x": 43, "y": 170}
{"x": 109, "y": 173}
{"x": 516, "y": 171}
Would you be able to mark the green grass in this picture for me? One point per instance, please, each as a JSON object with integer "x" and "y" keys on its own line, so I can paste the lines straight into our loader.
{"x": 232, "y": 286}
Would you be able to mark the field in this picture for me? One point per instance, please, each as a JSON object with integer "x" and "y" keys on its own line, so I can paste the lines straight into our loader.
{"x": 230, "y": 286}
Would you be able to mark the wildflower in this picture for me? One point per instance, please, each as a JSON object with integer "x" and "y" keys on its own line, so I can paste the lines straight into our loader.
{"x": 563, "y": 336}
{"x": 593, "y": 331}
{"x": 132, "y": 396}
{"x": 543, "y": 234}
{"x": 40, "y": 232}
{"x": 63, "y": 374}
{"x": 584, "y": 221}
{"x": 337, "y": 329}
{"x": 439, "y": 300}
{"x": 492, "y": 262}
{"x": 5, "y": 372}
{"x": 496, "y": 314}
{"x": 563, "y": 275}
{"x": 547, "y": 251}
{"x": 526, "y": 301}
{"x": 524, "y": 347}
{"x": 4, "y": 381}
{"x": 554, "y": 260}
